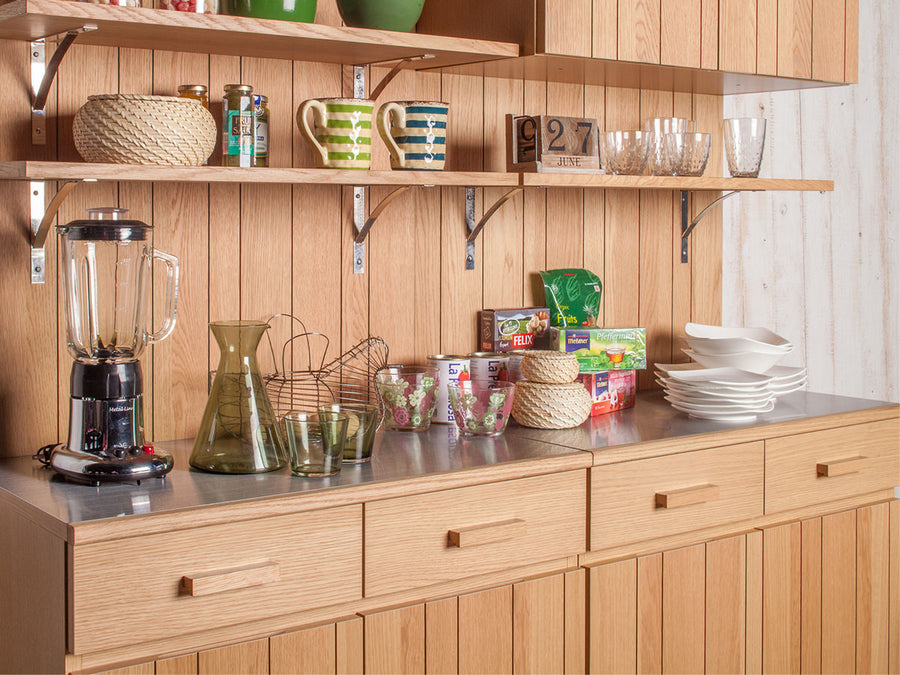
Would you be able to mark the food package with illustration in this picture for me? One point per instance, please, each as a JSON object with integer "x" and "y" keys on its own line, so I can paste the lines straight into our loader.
{"x": 610, "y": 390}
{"x": 600, "y": 349}
{"x": 505, "y": 330}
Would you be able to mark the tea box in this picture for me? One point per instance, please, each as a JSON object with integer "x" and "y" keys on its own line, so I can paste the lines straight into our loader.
{"x": 600, "y": 349}
{"x": 505, "y": 330}
{"x": 610, "y": 390}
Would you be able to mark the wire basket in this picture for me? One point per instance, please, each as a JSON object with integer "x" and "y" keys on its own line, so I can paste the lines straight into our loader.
{"x": 349, "y": 378}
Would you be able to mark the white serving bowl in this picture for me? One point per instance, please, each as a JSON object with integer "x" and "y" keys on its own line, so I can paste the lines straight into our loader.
{"x": 734, "y": 345}
{"x": 752, "y": 362}
{"x": 762, "y": 335}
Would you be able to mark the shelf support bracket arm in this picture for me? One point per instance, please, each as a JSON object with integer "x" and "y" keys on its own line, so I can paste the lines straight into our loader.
{"x": 688, "y": 227}
{"x": 393, "y": 72}
{"x": 41, "y": 219}
{"x": 363, "y": 225}
{"x": 475, "y": 229}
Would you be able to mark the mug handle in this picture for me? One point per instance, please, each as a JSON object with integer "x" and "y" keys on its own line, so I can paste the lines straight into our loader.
{"x": 398, "y": 112}
{"x": 319, "y": 114}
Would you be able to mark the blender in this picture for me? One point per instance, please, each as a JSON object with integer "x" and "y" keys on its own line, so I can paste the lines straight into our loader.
{"x": 106, "y": 261}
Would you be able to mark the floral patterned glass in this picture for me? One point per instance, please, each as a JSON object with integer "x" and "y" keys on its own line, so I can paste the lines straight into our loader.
{"x": 481, "y": 409}
{"x": 408, "y": 394}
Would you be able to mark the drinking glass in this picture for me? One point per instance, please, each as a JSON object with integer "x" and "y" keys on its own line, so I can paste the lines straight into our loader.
{"x": 625, "y": 152}
{"x": 362, "y": 421}
{"x": 659, "y": 163}
{"x": 481, "y": 408}
{"x": 408, "y": 394}
{"x": 689, "y": 153}
{"x": 316, "y": 446}
{"x": 745, "y": 138}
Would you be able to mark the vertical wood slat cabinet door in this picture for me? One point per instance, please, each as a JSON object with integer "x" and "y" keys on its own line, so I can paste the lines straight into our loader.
{"x": 179, "y": 665}
{"x": 395, "y": 640}
{"x": 781, "y": 599}
{"x": 828, "y": 31}
{"x": 811, "y": 596}
{"x": 575, "y": 622}
{"x": 709, "y": 34}
{"x": 137, "y": 669}
{"x": 605, "y": 29}
{"x": 680, "y": 33}
{"x": 795, "y": 38}
{"x": 649, "y": 614}
{"x": 725, "y": 605}
{"x": 737, "y": 36}
{"x": 564, "y": 27}
{"x": 894, "y": 619}
{"x": 539, "y": 625}
{"x": 441, "y": 641}
{"x": 753, "y": 627}
{"x": 612, "y": 589}
{"x": 839, "y": 593}
{"x": 349, "y": 658}
{"x": 311, "y": 650}
{"x": 639, "y": 30}
{"x": 873, "y": 588}
{"x": 683, "y": 610}
{"x": 767, "y": 37}
{"x": 246, "y": 658}
{"x": 486, "y": 631}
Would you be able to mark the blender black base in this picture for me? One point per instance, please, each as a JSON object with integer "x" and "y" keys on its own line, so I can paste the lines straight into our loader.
{"x": 87, "y": 467}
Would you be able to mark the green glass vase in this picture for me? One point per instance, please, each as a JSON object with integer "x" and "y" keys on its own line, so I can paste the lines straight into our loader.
{"x": 239, "y": 432}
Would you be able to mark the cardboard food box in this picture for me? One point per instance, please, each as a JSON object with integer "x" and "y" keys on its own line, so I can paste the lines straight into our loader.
{"x": 600, "y": 349}
{"x": 611, "y": 390}
{"x": 504, "y": 330}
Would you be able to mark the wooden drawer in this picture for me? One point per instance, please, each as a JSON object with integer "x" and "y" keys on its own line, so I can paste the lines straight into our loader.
{"x": 650, "y": 498}
{"x": 822, "y": 466}
{"x": 443, "y": 536}
{"x": 132, "y": 590}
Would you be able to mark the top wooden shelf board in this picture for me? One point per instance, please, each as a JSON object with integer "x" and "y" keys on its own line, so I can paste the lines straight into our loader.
{"x": 238, "y": 36}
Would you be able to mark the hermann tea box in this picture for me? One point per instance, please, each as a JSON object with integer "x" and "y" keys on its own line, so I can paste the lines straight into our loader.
{"x": 505, "y": 330}
{"x": 601, "y": 349}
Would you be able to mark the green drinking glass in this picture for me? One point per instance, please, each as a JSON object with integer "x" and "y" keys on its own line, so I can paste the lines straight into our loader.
{"x": 315, "y": 445}
{"x": 362, "y": 422}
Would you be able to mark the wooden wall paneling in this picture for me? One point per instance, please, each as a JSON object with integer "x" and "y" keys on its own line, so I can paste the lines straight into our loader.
{"x": 461, "y": 290}
{"x": 318, "y": 227}
{"x": 564, "y": 27}
{"x": 655, "y": 279}
{"x": 894, "y": 623}
{"x": 395, "y": 640}
{"x": 639, "y": 30}
{"x": 753, "y": 625}
{"x": 709, "y": 34}
{"x": 781, "y": 599}
{"x": 575, "y": 622}
{"x": 594, "y": 230}
{"x": 839, "y": 592}
{"x": 811, "y": 596}
{"x": 181, "y": 227}
{"x": 441, "y": 637}
{"x": 828, "y": 31}
{"x": 726, "y": 605}
{"x": 565, "y": 207}
{"x": 539, "y": 624}
{"x": 486, "y": 631}
{"x": 534, "y": 219}
{"x": 304, "y": 651}
{"x": 683, "y": 610}
{"x": 178, "y": 665}
{"x": 245, "y": 658}
{"x": 605, "y": 21}
{"x": 706, "y": 247}
{"x": 737, "y": 36}
{"x": 622, "y": 267}
{"x": 767, "y": 37}
{"x": 612, "y": 593}
{"x": 795, "y": 38}
{"x": 649, "y": 614}
{"x": 873, "y": 591}
{"x": 681, "y": 33}
{"x": 851, "y": 41}
{"x": 681, "y": 272}
{"x": 503, "y": 244}
{"x": 349, "y": 639}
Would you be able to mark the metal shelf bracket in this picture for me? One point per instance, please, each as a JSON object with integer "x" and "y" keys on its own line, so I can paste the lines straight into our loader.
{"x": 363, "y": 224}
{"x": 687, "y": 225}
{"x": 41, "y": 219}
{"x": 475, "y": 229}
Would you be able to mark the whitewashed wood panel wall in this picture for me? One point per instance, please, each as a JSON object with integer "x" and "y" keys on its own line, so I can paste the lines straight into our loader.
{"x": 823, "y": 270}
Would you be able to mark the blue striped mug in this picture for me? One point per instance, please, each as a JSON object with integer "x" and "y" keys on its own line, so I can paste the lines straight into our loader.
{"x": 415, "y": 132}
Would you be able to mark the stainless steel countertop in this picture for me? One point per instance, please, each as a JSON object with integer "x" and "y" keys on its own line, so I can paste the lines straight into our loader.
{"x": 397, "y": 457}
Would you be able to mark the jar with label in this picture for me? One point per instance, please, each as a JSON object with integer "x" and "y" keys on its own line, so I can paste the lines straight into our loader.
{"x": 261, "y": 110}
{"x": 238, "y": 126}
{"x": 196, "y": 6}
{"x": 198, "y": 92}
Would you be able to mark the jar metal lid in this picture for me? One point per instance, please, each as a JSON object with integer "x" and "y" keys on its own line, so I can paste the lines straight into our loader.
{"x": 195, "y": 88}
{"x": 243, "y": 88}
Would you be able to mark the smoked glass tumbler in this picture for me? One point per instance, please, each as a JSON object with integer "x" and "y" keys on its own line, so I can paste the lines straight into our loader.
{"x": 315, "y": 442}
{"x": 745, "y": 138}
{"x": 362, "y": 422}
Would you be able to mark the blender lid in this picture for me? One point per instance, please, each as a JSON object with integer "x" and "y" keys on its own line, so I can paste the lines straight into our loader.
{"x": 105, "y": 224}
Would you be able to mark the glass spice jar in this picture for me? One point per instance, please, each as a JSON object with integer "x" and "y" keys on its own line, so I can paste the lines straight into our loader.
{"x": 238, "y": 126}
{"x": 198, "y": 92}
{"x": 261, "y": 110}
{"x": 196, "y": 6}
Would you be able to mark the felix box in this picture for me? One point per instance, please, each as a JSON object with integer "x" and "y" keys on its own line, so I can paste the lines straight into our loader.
{"x": 600, "y": 349}
{"x": 611, "y": 390}
{"x": 503, "y": 330}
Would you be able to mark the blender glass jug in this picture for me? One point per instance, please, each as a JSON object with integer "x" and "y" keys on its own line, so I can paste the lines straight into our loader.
{"x": 106, "y": 262}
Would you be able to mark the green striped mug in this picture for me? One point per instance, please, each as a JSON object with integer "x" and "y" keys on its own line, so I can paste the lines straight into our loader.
{"x": 415, "y": 132}
{"x": 343, "y": 131}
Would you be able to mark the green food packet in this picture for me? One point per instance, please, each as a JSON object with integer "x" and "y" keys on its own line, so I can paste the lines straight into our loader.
{"x": 573, "y": 297}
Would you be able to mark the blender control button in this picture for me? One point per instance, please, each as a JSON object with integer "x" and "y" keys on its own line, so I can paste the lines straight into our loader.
{"x": 119, "y": 452}
{"x": 135, "y": 451}
{"x": 148, "y": 449}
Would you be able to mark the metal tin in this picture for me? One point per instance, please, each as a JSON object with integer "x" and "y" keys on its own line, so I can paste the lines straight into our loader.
{"x": 515, "y": 364}
{"x": 451, "y": 369}
{"x": 489, "y": 366}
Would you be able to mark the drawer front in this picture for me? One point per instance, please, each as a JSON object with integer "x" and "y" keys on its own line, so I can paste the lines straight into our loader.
{"x": 428, "y": 539}
{"x": 822, "y": 466}
{"x": 650, "y": 498}
{"x": 131, "y": 590}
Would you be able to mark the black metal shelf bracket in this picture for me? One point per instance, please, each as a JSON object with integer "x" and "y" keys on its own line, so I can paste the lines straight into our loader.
{"x": 475, "y": 229}
{"x": 687, "y": 225}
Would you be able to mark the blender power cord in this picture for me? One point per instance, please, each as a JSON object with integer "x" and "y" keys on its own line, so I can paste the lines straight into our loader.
{"x": 43, "y": 455}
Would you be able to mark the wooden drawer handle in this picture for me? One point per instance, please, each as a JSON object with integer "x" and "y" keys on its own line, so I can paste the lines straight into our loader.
{"x": 696, "y": 494}
{"x": 841, "y": 467}
{"x": 219, "y": 581}
{"x": 489, "y": 533}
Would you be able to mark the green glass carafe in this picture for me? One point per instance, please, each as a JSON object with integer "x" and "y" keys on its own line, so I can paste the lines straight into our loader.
{"x": 239, "y": 432}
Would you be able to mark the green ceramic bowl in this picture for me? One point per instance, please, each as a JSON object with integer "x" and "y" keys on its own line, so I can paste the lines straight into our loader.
{"x": 286, "y": 10}
{"x": 381, "y": 14}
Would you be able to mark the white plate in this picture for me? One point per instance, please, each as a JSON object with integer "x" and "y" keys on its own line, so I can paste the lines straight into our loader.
{"x": 705, "y": 399}
{"x": 722, "y": 408}
{"x": 785, "y": 373}
{"x": 727, "y": 377}
{"x": 781, "y": 391}
{"x": 669, "y": 367}
{"x": 713, "y": 391}
{"x": 752, "y": 362}
{"x": 784, "y": 384}
{"x": 763, "y": 335}
{"x": 731, "y": 345}
{"x": 718, "y": 417}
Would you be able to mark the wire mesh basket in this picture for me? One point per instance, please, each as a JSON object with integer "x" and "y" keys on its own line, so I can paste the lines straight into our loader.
{"x": 347, "y": 379}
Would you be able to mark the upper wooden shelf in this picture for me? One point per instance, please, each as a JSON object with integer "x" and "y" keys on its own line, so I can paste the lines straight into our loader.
{"x": 238, "y": 36}
{"x": 692, "y": 183}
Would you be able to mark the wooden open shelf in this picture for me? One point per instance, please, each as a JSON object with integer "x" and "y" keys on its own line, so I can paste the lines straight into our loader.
{"x": 238, "y": 36}
{"x": 694, "y": 184}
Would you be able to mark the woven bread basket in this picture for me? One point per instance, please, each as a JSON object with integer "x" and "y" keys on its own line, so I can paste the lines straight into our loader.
{"x": 135, "y": 129}
{"x": 551, "y": 406}
{"x": 549, "y": 367}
